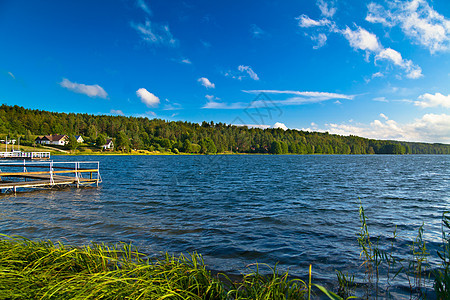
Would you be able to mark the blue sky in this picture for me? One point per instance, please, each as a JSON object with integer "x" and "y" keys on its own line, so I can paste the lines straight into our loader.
{"x": 378, "y": 69}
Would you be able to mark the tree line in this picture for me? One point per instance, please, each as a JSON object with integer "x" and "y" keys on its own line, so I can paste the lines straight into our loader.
{"x": 177, "y": 136}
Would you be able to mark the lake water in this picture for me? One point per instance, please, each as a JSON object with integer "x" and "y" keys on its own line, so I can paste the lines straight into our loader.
{"x": 236, "y": 210}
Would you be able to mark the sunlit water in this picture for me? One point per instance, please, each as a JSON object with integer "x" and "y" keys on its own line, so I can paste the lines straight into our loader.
{"x": 237, "y": 210}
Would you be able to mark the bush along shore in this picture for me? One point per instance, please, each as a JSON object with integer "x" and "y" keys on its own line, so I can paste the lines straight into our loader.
{"x": 44, "y": 270}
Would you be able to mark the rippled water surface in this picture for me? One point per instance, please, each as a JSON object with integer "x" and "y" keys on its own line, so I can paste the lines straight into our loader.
{"x": 236, "y": 210}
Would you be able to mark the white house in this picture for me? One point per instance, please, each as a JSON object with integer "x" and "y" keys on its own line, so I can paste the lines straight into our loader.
{"x": 109, "y": 144}
{"x": 79, "y": 139}
{"x": 54, "y": 139}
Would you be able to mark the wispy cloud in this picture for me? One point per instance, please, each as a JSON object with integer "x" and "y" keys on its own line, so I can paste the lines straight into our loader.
{"x": 417, "y": 19}
{"x": 89, "y": 90}
{"x": 242, "y": 73}
{"x": 380, "y": 99}
{"x": 249, "y": 71}
{"x": 327, "y": 8}
{"x": 154, "y": 33}
{"x": 186, "y": 61}
{"x": 141, "y": 4}
{"x": 215, "y": 104}
{"x": 377, "y": 74}
{"x": 430, "y": 100}
{"x": 320, "y": 39}
{"x": 299, "y": 98}
{"x": 12, "y": 75}
{"x": 257, "y": 32}
{"x": 147, "y": 98}
{"x": 305, "y": 22}
{"x": 206, "y": 83}
{"x": 172, "y": 105}
{"x": 320, "y": 95}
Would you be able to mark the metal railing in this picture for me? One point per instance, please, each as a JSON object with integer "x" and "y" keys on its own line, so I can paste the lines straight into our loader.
{"x": 25, "y": 155}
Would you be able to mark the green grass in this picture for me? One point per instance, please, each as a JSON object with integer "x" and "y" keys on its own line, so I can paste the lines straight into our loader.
{"x": 43, "y": 270}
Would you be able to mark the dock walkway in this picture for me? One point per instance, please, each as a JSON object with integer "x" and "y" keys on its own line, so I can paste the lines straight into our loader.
{"x": 14, "y": 176}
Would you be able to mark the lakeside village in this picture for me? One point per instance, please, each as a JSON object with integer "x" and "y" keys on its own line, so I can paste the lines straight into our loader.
{"x": 56, "y": 143}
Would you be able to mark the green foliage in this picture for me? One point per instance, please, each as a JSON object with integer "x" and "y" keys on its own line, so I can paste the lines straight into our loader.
{"x": 122, "y": 141}
{"x": 144, "y": 133}
{"x": 418, "y": 265}
{"x": 72, "y": 144}
{"x": 276, "y": 148}
{"x": 101, "y": 140}
{"x": 346, "y": 284}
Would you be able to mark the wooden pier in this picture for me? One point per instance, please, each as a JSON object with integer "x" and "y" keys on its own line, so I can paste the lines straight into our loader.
{"x": 24, "y": 175}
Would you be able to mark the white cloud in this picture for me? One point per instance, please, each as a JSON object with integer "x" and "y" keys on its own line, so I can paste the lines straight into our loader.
{"x": 144, "y": 6}
{"x": 249, "y": 71}
{"x": 89, "y": 90}
{"x": 384, "y": 116}
{"x": 147, "y": 98}
{"x": 417, "y": 19}
{"x": 362, "y": 39}
{"x": 186, "y": 61}
{"x": 154, "y": 33}
{"x": 116, "y": 112}
{"x": 321, "y": 95}
{"x": 206, "y": 83}
{"x": 305, "y": 22}
{"x": 377, "y": 14}
{"x": 429, "y": 100}
{"x": 320, "y": 39}
{"x": 12, "y": 75}
{"x": 432, "y": 128}
{"x": 337, "y": 102}
{"x": 327, "y": 9}
{"x": 395, "y": 57}
{"x": 280, "y": 125}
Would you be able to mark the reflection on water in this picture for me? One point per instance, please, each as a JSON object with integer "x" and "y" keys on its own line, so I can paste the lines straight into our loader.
{"x": 235, "y": 210}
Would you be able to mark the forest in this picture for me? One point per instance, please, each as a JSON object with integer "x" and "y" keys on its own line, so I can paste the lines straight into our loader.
{"x": 140, "y": 133}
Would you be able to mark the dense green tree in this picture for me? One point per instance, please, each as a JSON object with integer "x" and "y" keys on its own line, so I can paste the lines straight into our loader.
{"x": 72, "y": 144}
{"x": 157, "y": 134}
{"x": 122, "y": 141}
{"x": 275, "y": 148}
{"x": 101, "y": 140}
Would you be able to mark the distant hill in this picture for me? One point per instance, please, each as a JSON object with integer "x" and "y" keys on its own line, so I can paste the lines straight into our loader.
{"x": 156, "y": 134}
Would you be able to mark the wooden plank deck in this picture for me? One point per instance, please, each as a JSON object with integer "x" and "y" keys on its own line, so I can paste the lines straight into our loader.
{"x": 48, "y": 178}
